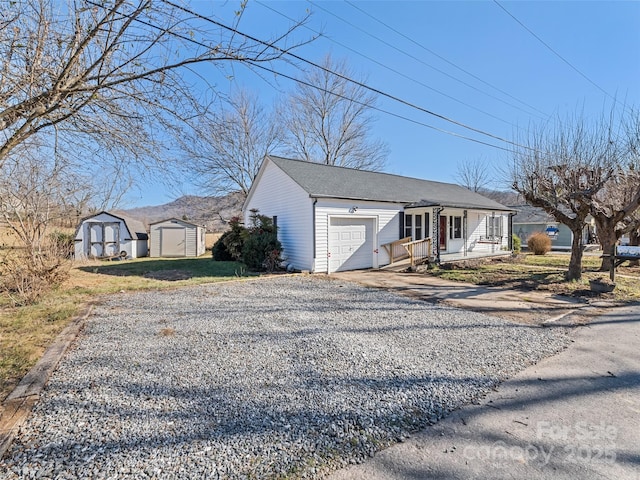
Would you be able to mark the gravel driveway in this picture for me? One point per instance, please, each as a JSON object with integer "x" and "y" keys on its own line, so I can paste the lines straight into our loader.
{"x": 282, "y": 377}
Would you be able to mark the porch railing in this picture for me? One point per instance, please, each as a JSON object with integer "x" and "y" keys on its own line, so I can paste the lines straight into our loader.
{"x": 419, "y": 250}
{"x": 396, "y": 250}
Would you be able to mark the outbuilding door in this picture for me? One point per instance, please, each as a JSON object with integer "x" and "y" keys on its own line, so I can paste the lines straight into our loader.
{"x": 173, "y": 242}
{"x": 351, "y": 243}
{"x": 104, "y": 239}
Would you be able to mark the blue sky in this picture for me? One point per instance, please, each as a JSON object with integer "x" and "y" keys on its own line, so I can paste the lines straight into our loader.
{"x": 468, "y": 61}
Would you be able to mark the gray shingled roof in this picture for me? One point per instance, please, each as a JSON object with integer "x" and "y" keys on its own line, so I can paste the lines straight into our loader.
{"x": 320, "y": 180}
{"x": 136, "y": 227}
{"x": 529, "y": 214}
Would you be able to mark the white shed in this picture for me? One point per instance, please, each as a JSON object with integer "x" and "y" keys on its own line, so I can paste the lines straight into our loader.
{"x": 176, "y": 238}
{"x": 106, "y": 235}
{"x": 334, "y": 218}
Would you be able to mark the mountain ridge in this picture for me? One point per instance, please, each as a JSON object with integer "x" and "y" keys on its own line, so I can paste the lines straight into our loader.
{"x": 212, "y": 212}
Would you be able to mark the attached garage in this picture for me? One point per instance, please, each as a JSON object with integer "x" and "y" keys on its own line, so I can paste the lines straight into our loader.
{"x": 105, "y": 235}
{"x": 177, "y": 238}
{"x": 332, "y": 218}
{"x": 351, "y": 243}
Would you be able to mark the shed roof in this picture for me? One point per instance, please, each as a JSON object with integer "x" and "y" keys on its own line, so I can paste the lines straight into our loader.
{"x": 320, "y": 180}
{"x": 135, "y": 227}
{"x": 176, "y": 220}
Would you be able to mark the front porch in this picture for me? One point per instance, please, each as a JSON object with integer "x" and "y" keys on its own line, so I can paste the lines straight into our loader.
{"x": 404, "y": 262}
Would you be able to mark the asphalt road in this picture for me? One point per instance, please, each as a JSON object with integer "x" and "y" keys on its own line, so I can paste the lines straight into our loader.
{"x": 573, "y": 415}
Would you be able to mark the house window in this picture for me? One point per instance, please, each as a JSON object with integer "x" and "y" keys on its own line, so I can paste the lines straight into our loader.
{"x": 407, "y": 225}
{"x": 418, "y": 228}
{"x": 494, "y": 227}
{"x": 455, "y": 227}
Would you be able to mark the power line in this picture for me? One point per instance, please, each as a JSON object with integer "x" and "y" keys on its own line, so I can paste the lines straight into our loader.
{"x": 575, "y": 69}
{"x": 344, "y": 77}
{"x": 373, "y": 107}
{"x": 417, "y": 59}
{"x": 443, "y": 58}
{"x": 263, "y": 4}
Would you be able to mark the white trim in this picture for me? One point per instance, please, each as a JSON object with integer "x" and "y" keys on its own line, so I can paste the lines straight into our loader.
{"x": 374, "y": 253}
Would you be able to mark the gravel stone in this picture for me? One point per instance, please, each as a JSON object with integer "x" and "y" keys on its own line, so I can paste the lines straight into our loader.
{"x": 285, "y": 377}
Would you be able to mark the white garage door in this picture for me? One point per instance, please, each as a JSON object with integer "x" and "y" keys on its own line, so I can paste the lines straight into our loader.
{"x": 350, "y": 244}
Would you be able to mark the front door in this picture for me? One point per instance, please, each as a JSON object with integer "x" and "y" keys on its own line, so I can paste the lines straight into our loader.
{"x": 443, "y": 232}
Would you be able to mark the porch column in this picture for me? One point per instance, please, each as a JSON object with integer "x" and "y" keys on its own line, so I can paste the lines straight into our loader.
{"x": 464, "y": 232}
{"x": 510, "y": 231}
{"x": 436, "y": 230}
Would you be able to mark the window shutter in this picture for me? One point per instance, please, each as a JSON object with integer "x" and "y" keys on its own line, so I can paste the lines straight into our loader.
{"x": 401, "y": 225}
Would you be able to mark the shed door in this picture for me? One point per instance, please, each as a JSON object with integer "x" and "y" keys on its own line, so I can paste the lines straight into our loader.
{"x": 104, "y": 239}
{"x": 173, "y": 242}
{"x": 350, "y": 243}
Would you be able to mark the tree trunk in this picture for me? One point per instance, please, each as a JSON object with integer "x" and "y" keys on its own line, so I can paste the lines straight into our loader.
{"x": 575, "y": 263}
{"x": 606, "y": 228}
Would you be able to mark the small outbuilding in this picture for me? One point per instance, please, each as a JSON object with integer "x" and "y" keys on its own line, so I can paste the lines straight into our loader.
{"x": 176, "y": 238}
{"x": 105, "y": 235}
{"x": 530, "y": 220}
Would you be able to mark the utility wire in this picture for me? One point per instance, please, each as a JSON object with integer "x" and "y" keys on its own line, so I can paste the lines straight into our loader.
{"x": 398, "y": 32}
{"x": 413, "y": 57}
{"x": 344, "y": 77}
{"x": 373, "y": 60}
{"x": 575, "y": 69}
{"x": 373, "y": 107}
{"x": 257, "y": 65}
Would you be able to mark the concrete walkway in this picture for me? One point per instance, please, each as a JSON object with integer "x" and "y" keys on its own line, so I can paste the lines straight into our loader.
{"x": 573, "y": 415}
{"x": 533, "y": 307}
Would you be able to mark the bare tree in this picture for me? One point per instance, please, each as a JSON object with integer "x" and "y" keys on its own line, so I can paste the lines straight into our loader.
{"x": 106, "y": 76}
{"x": 89, "y": 89}
{"x": 614, "y": 210}
{"x": 474, "y": 174}
{"x": 561, "y": 169}
{"x": 328, "y": 120}
{"x": 35, "y": 193}
{"x": 226, "y": 146}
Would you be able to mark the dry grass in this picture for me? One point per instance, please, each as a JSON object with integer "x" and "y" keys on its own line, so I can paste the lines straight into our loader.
{"x": 543, "y": 272}
{"x": 26, "y": 332}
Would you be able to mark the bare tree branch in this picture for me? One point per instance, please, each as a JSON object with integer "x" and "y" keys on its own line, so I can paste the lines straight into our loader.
{"x": 328, "y": 120}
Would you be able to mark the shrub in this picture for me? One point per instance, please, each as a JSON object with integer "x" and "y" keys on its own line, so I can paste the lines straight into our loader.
{"x": 235, "y": 239}
{"x": 219, "y": 251}
{"x": 261, "y": 249}
{"x": 539, "y": 243}
{"x": 517, "y": 244}
{"x": 63, "y": 243}
{"x": 25, "y": 278}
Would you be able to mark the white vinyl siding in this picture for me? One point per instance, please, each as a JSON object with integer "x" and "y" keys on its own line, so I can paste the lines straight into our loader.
{"x": 478, "y": 227}
{"x": 386, "y": 217}
{"x": 276, "y": 194}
